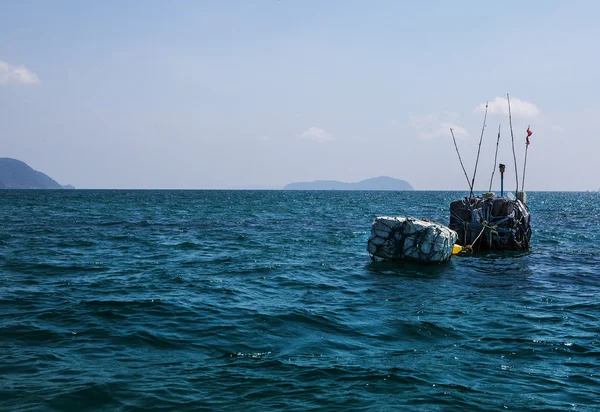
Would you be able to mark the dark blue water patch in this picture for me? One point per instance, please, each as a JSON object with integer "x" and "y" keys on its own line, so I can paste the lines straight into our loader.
{"x": 187, "y": 300}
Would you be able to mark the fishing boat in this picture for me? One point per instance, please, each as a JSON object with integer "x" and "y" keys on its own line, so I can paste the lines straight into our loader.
{"x": 487, "y": 222}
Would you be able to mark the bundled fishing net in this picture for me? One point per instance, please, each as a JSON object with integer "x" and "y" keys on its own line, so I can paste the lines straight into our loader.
{"x": 491, "y": 223}
{"x": 407, "y": 238}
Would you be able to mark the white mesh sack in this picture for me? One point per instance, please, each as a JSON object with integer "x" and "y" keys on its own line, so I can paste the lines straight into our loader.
{"x": 407, "y": 238}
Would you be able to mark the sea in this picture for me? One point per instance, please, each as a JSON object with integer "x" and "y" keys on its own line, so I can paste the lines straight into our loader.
{"x": 268, "y": 300}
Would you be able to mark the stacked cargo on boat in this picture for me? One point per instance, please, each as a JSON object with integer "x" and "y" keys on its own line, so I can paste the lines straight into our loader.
{"x": 489, "y": 223}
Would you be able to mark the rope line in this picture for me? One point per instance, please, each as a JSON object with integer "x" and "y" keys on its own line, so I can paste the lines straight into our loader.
{"x": 469, "y": 248}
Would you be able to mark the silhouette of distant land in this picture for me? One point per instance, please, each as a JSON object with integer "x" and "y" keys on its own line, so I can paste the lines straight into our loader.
{"x": 15, "y": 174}
{"x": 375, "y": 183}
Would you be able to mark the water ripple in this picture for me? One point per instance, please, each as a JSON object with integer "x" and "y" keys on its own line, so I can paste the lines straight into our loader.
{"x": 187, "y": 300}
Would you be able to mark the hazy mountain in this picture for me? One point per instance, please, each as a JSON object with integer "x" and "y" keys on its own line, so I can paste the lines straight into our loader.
{"x": 15, "y": 174}
{"x": 375, "y": 183}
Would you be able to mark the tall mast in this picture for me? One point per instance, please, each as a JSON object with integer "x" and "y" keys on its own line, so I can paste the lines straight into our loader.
{"x": 495, "y": 159}
{"x": 513, "y": 143}
{"x": 479, "y": 149}
{"x": 460, "y": 160}
{"x": 526, "y": 149}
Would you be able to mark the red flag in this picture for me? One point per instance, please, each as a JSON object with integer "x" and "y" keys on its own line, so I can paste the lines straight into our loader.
{"x": 529, "y": 133}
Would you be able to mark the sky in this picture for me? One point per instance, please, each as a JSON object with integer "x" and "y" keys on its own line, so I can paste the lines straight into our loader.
{"x": 239, "y": 94}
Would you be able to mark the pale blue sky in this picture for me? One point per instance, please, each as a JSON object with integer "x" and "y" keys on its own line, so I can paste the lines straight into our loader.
{"x": 182, "y": 94}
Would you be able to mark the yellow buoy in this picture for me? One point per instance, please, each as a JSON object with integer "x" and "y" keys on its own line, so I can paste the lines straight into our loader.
{"x": 456, "y": 249}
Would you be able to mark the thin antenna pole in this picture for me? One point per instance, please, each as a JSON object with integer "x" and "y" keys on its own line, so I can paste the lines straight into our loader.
{"x": 525, "y": 163}
{"x": 513, "y": 143}
{"x": 459, "y": 158}
{"x": 524, "y": 166}
{"x": 495, "y": 159}
{"x": 479, "y": 149}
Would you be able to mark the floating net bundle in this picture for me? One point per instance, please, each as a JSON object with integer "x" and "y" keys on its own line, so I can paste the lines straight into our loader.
{"x": 407, "y": 238}
{"x": 491, "y": 223}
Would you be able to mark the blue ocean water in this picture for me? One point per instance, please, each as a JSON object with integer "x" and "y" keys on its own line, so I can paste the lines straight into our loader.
{"x": 258, "y": 300}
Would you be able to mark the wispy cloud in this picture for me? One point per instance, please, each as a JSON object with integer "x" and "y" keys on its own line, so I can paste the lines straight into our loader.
{"x": 315, "y": 133}
{"x": 557, "y": 128}
{"x": 431, "y": 126}
{"x": 518, "y": 107}
{"x": 262, "y": 138}
{"x": 458, "y": 131}
{"x": 10, "y": 74}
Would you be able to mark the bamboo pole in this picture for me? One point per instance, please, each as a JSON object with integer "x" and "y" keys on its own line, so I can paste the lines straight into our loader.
{"x": 495, "y": 159}
{"x": 459, "y": 159}
{"x": 513, "y": 144}
{"x": 525, "y": 163}
{"x": 479, "y": 149}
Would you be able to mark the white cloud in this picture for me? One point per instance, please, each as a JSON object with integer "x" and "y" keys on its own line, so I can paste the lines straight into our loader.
{"x": 262, "y": 138}
{"x": 316, "y": 134}
{"x": 16, "y": 74}
{"x": 451, "y": 115}
{"x": 458, "y": 131}
{"x": 557, "y": 128}
{"x": 431, "y": 126}
{"x": 518, "y": 107}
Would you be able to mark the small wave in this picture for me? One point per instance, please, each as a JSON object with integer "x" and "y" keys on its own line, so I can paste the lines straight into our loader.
{"x": 78, "y": 395}
{"x": 31, "y": 333}
{"x": 76, "y": 243}
{"x": 154, "y": 339}
{"x": 110, "y": 223}
{"x": 253, "y": 355}
{"x": 187, "y": 246}
{"x": 51, "y": 269}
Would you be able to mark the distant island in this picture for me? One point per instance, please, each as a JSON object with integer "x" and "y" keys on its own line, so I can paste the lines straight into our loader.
{"x": 15, "y": 174}
{"x": 375, "y": 183}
